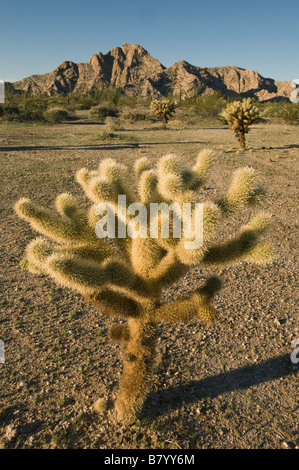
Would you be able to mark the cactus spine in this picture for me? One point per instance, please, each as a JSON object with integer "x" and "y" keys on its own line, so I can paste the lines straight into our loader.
{"x": 240, "y": 115}
{"x": 124, "y": 278}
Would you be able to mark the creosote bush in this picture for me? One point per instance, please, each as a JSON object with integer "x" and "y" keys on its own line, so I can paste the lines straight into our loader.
{"x": 282, "y": 112}
{"x": 163, "y": 109}
{"x": 56, "y": 115}
{"x": 124, "y": 277}
{"x": 103, "y": 110}
{"x": 113, "y": 124}
{"x": 207, "y": 106}
{"x": 240, "y": 115}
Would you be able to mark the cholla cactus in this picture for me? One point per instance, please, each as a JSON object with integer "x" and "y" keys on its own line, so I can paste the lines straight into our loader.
{"x": 163, "y": 109}
{"x": 124, "y": 277}
{"x": 240, "y": 115}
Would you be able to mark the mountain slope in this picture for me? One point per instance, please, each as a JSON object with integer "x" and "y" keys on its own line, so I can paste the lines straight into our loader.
{"x": 138, "y": 73}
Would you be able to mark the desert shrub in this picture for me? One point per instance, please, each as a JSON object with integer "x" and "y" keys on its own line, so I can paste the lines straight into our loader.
{"x": 282, "y": 111}
{"x": 113, "y": 124}
{"x": 33, "y": 109}
{"x": 128, "y": 100}
{"x": 109, "y": 94}
{"x": 11, "y": 113}
{"x": 206, "y": 106}
{"x": 56, "y": 115}
{"x": 71, "y": 112}
{"x": 135, "y": 116}
{"x": 113, "y": 94}
{"x": 290, "y": 113}
{"x": 108, "y": 136}
{"x": 103, "y": 110}
{"x": 83, "y": 102}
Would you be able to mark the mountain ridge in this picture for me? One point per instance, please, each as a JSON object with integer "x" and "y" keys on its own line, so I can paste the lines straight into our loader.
{"x": 139, "y": 74}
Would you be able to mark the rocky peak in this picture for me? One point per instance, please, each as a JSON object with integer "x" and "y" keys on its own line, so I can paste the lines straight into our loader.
{"x": 133, "y": 68}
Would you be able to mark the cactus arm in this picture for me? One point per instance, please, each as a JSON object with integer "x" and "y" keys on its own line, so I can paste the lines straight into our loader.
{"x": 185, "y": 310}
{"x": 141, "y": 165}
{"x": 98, "y": 252}
{"x": 193, "y": 256}
{"x": 87, "y": 276}
{"x": 117, "y": 175}
{"x": 168, "y": 271}
{"x": 115, "y": 304}
{"x": 47, "y": 222}
{"x": 201, "y": 168}
{"x": 195, "y": 305}
{"x": 145, "y": 256}
{"x": 243, "y": 191}
{"x": 244, "y": 246}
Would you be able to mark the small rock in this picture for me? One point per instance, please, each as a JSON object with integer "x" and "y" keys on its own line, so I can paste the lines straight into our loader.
{"x": 21, "y": 385}
{"x": 10, "y": 432}
{"x": 285, "y": 445}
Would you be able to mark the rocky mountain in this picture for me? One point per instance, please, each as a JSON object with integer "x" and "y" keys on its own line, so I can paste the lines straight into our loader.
{"x": 138, "y": 73}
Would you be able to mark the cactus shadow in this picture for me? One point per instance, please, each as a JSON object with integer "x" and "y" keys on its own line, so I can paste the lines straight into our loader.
{"x": 286, "y": 147}
{"x": 159, "y": 402}
{"x": 69, "y": 147}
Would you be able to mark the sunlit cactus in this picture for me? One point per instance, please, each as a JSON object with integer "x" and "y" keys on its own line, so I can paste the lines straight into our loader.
{"x": 163, "y": 109}
{"x": 239, "y": 116}
{"x": 124, "y": 277}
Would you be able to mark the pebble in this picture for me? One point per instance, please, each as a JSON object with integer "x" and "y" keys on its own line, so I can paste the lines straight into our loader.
{"x": 21, "y": 385}
{"x": 285, "y": 445}
{"x": 10, "y": 432}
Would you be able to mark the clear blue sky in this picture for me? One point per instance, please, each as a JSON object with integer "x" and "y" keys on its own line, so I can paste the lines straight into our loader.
{"x": 36, "y": 36}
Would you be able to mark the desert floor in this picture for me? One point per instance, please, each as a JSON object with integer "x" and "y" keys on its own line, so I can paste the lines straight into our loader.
{"x": 230, "y": 385}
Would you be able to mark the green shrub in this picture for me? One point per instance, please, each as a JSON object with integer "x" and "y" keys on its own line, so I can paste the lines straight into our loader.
{"x": 135, "y": 116}
{"x": 282, "y": 111}
{"x": 106, "y": 136}
{"x": 103, "y": 110}
{"x": 113, "y": 124}
{"x": 206, "y": 106}
{"x": 33, "y": 109}
{"x": 55, "y": 115}
{"x": 11, "y": 113}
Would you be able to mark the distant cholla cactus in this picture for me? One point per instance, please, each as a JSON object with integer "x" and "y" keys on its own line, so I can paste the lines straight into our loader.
{"x": 240, "y": 115}
{"x": 163, "y": 109}
{"x": 124, "y": 277}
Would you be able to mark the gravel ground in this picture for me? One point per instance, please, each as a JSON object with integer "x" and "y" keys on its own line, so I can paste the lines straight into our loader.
{"x": 231, "y": 385}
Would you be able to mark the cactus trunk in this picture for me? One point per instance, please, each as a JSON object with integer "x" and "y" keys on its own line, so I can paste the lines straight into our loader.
{"x": 139, "y": 359}
{"x": 242, "y": 140}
